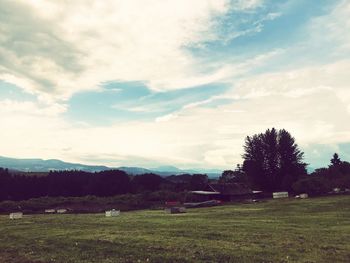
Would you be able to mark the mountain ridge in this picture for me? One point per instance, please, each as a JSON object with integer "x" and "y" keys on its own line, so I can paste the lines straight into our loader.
{"x": 42, "y": 165}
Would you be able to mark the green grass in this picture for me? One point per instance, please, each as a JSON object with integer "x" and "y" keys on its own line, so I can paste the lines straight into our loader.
{"x": 310, "y": 230}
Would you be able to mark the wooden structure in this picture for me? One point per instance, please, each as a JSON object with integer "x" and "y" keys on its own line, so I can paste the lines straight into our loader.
{"x": 227, "y": 192}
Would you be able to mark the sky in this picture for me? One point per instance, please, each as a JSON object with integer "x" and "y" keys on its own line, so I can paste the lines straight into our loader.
{"x": 159, "y": 82}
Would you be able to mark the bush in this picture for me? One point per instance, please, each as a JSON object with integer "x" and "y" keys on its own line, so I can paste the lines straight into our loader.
{"x": 312, "y": 185}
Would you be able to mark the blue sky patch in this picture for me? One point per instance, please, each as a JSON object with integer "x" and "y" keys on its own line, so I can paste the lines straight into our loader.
{"x": 118, "y": 101}
{"x": 12, "y": 92}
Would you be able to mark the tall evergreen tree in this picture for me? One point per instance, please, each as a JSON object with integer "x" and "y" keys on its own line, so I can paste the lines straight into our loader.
{"x": 335, "y": 161}
{"x": 272, "y": 160}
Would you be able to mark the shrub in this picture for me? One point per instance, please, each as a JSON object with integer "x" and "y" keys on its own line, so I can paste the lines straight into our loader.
{"x": 312, "y": 185}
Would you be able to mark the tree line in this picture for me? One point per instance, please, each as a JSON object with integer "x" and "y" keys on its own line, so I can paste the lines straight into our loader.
{"x": 79, "y": 183}
{"x": 324, "y": 180}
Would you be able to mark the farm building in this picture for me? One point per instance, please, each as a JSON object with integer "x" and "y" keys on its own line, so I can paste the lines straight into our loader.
{"x": 277, "y": 195}
{"x": 226, "y": 192}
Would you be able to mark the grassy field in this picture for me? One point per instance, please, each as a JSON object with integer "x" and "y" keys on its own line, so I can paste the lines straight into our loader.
{"x": 310, "y": 230}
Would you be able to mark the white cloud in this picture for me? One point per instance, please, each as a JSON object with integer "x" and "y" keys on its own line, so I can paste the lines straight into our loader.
{"x": 246, "y": 4}
{"x": 59, "y": 48}
{"x": 167, "y": 117}
{"x": 333, "y": 28}
{"x": 8, "y": 106}
{"x": 309, "y": 102}
{"x": 310, "y": 80}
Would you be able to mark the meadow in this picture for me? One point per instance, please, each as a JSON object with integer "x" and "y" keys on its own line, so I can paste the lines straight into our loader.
{"x": 289, "y": 230}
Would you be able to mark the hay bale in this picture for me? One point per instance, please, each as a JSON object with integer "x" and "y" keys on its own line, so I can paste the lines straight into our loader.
{"x": 17, "y": 215}
{"x": 112, "y": 213}
{"x": 61, "y": 211}
{"x": 280, "y": 195}
{"x": 175, "y": 210}
{"x": 50, "y": 211}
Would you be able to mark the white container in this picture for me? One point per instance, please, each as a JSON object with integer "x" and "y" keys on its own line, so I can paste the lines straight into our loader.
{"x": 50, "y": 211}
{"x": 17, "y": 215}
{"x": 280, "y": 195}
{"x": 112, "y": 213}
{"x": 61, "y": 211}
{"x": 303, "y": 196}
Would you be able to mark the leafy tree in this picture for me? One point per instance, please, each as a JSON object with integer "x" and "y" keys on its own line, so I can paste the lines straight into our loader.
{"x": 337, "y": 173}
{"x": 230, "y": 176}
{"x": 313, "y": 185}
{"x": 272, "y": 160}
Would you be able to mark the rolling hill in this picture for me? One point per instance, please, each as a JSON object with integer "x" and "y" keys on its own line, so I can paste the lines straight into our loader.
{"x": 41, "y": 165}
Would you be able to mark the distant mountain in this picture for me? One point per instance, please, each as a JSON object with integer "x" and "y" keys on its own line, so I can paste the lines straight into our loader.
{"x": 162, "y": 170}
{"x": 167, "y": 168}
{"x": 134, "y": 170}
{"x": 210, "y": 172}
{"x": 40, "y": 165}
{"x": 172, "y": 170}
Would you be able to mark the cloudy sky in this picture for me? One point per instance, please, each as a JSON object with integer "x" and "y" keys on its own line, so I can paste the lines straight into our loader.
{"x": 161, "y": 82}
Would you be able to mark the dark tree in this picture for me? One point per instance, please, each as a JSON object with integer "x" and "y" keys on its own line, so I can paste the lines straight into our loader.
{"x": 110, "y": 182}
{"x": 5, "y": 186}
{"x": 146, "y": 182}
{"x": 335, "y": 161}
{"x": 236, "y": 176}
{"x": 323, "y": 180}
{"x": 337, "y": 168}
{"x": 198, "y": 181}
{"x": 272, "y": 160}
{"x": 227, "y": 176}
